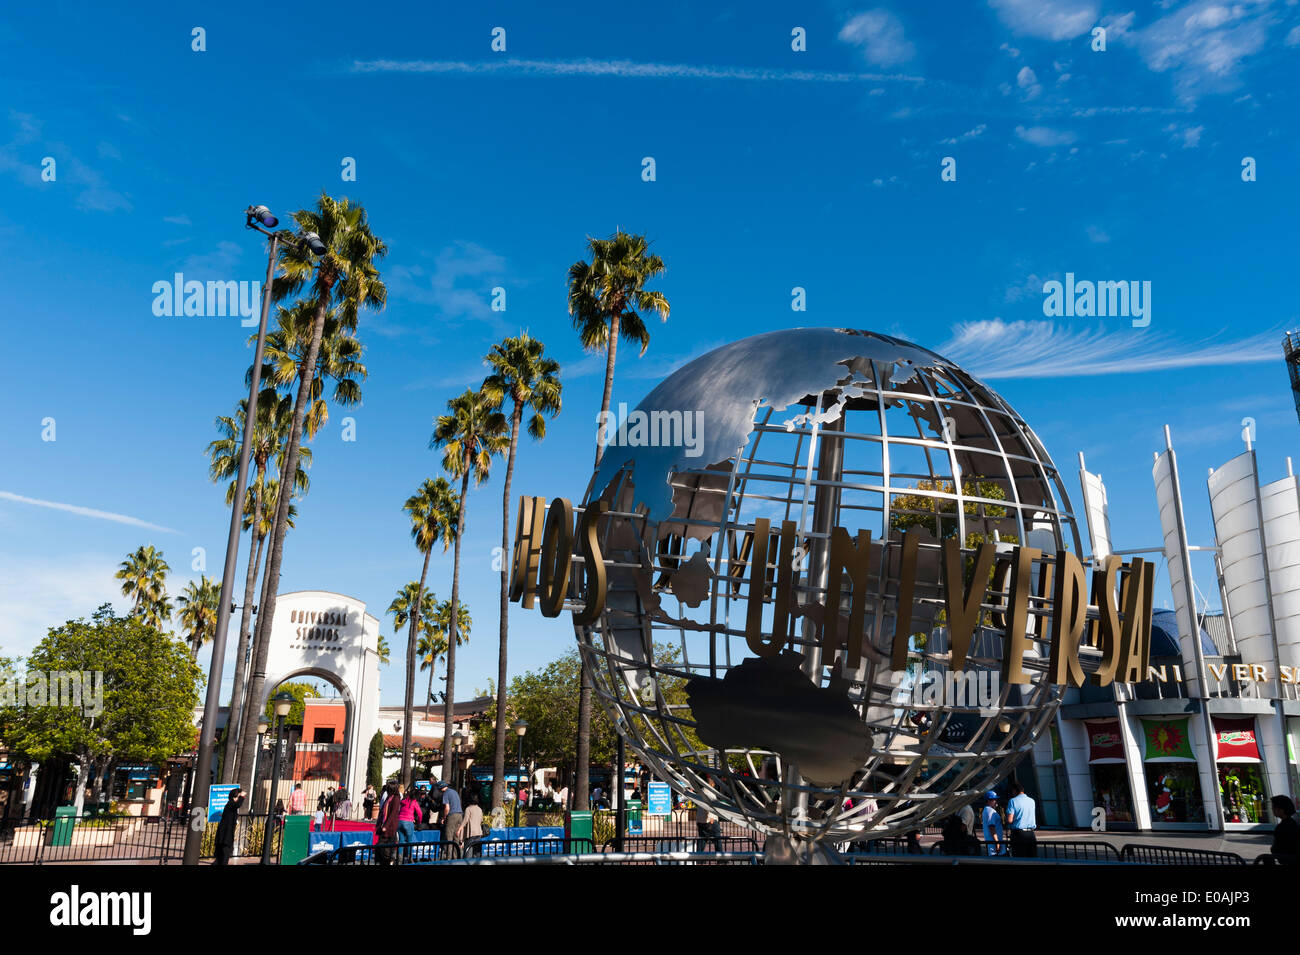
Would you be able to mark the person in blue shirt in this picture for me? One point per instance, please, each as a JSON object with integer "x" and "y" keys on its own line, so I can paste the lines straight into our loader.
{"x": 992, "y": 821}
{"x": 452, "y": 814}
{"x": 1022, "y": 820}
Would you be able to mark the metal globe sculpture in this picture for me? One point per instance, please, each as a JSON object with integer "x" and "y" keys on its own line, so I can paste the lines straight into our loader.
{"x": 725, "y": 488}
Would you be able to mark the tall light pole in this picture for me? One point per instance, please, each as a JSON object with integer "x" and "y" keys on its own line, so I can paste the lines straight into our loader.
{"x": 262, "y": 727}
{"x": 283, "y": 702}
{"x": 520, "y": 727}
{"x": 254, "y": 218}
{"x": 457, "y": 739}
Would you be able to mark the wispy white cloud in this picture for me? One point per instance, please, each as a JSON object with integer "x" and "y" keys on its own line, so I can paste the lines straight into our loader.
{"x": 86, "y": 512}
{"x": 972, "y": 133}
{"x": 878, "y": 35}
{"x": 1047, "y": 19}
{"x": 626, "y": 69}
{"x": 1045, "y": 136}
{"x": 458, "y": 285}
{"x": 1046, "y": 349}
{"x": 1202, "y": 44}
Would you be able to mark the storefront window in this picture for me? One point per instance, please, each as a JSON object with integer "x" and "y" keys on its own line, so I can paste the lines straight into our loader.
{"x": 1174, "y": 792}
{"x": 1245, "y": 798}
{"x": 1110, "y": 791}
{"x": 1241, "y": 780}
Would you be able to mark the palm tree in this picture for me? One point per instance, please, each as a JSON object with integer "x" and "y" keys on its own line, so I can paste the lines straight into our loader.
{"x": 435, "y": 645}
{"x": 198, "y": 612}
{"x": 433, "y": 510}
{"x": 606, "y": 297}
{"x": 346, "y": 278}
{"x": 144, "y": 580}
{"x": 531, "y": 382}
{"x": 382, "y": 649}
{"x": 338, "y": 359}
{"x": 469, "y": 435}
{"x": 270, "y": 430}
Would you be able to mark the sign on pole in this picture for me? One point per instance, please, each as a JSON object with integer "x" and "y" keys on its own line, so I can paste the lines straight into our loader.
{"x": 659, "y": 800}
{"x": 218, "y": 796}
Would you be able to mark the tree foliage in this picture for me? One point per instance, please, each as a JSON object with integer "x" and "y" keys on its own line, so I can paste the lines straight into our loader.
{"x": 301, "y": 692}
{"x": 150, "y": 685}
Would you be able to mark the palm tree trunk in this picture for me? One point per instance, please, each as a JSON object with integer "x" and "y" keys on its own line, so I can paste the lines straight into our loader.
{"x": 235, "y": 715}
{"x": 499, "y": 753}
{"x": 428, "y": 693}
{"x": 306, "y": 375}
{"x": 408, "y": 708}
{"x": 451, "y": 625}
{"x": 583, "y": 755}
{"x": 611, "y": 351}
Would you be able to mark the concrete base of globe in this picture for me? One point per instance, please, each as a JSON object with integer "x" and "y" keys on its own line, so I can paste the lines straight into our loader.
{"x": 780, "y": 850}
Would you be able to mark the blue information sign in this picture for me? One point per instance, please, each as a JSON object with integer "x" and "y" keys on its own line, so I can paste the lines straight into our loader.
{"x": 659, "y": 800}
{"x": 218, "y": 796}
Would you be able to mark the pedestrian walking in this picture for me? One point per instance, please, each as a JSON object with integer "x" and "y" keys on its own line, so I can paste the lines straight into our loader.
{"x": 991, "y": 820}
{"x": 471, "y": 827}
{"x": 408, "y": 812}
{"x": 452, "y": 814}
{"x": 297, "y": 800}
{"x": 342, "y": 805}
{"x": 708, "y": 828}
{"x": 1286, "y": 834}
{"x": 386, "y": 827}
{"x": 226, "y": 828}
{"x": 368, "y": 802}
{"x": 1022, "y": 821}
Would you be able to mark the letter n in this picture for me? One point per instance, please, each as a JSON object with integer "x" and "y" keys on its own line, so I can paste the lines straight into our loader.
{"x": 856, "y": 559}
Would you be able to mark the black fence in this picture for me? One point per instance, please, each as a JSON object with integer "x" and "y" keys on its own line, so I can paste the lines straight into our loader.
{"x": 123, "y": 838}
{"x": 387, "y": 853}
{"x": 1172, "y": 855}
{"x": 92, "y": 839}
{"x": 495, "y": 848}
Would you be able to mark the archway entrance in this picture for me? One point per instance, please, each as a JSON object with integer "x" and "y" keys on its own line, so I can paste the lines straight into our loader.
{"x": 325, "y": 636}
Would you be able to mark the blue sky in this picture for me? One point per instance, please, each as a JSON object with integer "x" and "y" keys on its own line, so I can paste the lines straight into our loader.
{"x": 774, "y": 169}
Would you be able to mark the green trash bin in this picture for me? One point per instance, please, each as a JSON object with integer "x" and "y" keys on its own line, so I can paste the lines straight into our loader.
{"x": 634, "y": 817}
{"x": 581, "y": 827}
{"x": 297, "y": 833}
{"x": 65, "y": 818}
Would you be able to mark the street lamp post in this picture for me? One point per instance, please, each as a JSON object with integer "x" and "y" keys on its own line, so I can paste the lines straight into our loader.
{"x": 457, "y": 740}
{"x": 520, "y": 727}
{"x": 283, "y": 702}
{"x": 262, "y": 727}
{"x": 254, "y": 218}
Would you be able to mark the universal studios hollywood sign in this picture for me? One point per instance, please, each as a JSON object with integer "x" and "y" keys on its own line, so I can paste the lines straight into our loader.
{"x": 548, "y": 539}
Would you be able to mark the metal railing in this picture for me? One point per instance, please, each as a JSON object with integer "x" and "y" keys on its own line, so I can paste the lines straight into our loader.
{"x": 100, "y": 838}
{"x": 1173, "y": 855}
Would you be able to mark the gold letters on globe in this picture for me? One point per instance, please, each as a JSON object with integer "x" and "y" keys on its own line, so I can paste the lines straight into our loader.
{"x": 543, "y": 555}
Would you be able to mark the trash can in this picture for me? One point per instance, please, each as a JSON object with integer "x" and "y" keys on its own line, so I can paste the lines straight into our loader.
{"x": 580, "y": 827}
{"x": 65, "y": 818}
{"x": 634, "y": 817}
